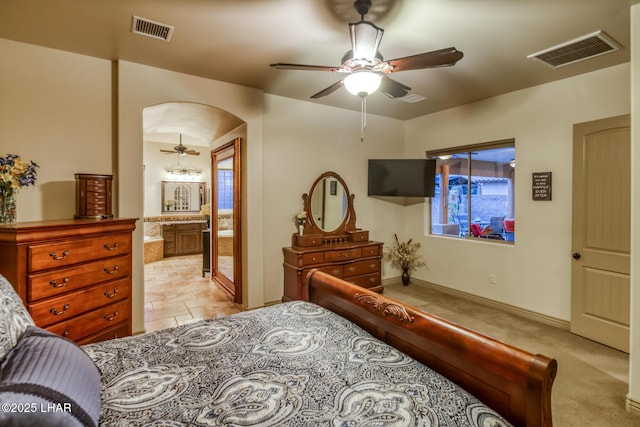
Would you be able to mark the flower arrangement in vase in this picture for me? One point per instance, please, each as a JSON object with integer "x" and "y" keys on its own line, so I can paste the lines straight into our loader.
{"x": 15, "y": 173}
{"x": 301, "y": 218}
{"x": 404, "y": 255}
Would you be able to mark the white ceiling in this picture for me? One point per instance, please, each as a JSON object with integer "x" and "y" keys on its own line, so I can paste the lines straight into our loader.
{"x": 236, "y": 40}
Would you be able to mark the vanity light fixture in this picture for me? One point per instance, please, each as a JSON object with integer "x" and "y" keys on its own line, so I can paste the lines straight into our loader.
{"x": 183, "y": 171}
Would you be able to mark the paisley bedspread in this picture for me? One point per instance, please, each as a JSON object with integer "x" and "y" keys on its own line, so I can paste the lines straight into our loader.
{"x": 292, "y": 364}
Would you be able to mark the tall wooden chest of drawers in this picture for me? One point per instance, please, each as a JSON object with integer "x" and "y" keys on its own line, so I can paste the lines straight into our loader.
{"x": 74, "y": 276}
{"x": 355, "y": 262}
{"x": 93, "y": 196}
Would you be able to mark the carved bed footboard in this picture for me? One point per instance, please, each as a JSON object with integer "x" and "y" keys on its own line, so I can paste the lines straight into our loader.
{"x": 514, "y": 382}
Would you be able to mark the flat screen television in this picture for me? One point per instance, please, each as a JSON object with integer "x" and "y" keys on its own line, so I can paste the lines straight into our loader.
{"x": 402, "y": 177}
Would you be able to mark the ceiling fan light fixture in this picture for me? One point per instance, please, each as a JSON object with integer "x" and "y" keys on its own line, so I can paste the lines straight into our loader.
{"x": 365, "y": 40}
{"x": 362, "y": 83}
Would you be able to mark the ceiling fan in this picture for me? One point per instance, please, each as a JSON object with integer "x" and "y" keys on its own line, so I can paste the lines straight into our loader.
{"x": 365, "y": 67}
{"x": 181, "y": 149}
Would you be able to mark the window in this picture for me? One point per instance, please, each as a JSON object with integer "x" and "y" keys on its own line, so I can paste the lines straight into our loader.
{"x": 475, "y": 191}
{"x": 225, "y": 189}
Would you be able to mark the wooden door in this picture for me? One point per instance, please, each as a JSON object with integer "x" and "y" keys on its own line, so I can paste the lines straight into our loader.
{"x": 600, "y": 300}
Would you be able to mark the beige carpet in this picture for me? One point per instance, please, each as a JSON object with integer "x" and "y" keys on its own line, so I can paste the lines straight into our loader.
{"x": 591, "y": 384}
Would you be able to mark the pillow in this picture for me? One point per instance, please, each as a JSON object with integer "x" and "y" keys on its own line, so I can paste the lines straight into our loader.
{"x": 47, "y": 380}
{"x": 14, "y": 317}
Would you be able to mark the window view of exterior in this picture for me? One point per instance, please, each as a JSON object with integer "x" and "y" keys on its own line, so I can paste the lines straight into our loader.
{"x": 475, "y": 192}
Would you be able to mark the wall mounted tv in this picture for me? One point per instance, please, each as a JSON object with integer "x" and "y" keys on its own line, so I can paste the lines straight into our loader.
{"x": 402, "y": 177}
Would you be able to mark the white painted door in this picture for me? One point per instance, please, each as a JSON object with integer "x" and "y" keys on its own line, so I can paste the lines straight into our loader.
{"x": 600, "y": 300}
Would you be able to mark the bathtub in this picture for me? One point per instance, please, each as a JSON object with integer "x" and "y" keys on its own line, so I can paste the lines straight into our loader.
{"x": 153, "y": 248}
{"x": 225, "y": 242}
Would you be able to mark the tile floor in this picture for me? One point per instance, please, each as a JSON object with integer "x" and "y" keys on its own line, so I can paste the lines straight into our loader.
{"x": 175, "y": 293}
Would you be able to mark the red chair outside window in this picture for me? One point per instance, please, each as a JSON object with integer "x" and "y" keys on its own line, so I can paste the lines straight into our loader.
{"x": 509, "y": 229}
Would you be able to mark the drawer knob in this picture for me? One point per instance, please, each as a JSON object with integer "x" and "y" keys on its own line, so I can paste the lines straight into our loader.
{"x": 59, "y": 313}
{"x": 335, "y": 272}
{"x": 111, "y": 247}
{"x": 56, "y": 257}
{"x": 115, "y": 269}
{"x": 352, "y": 269}
{"x": 111, "y": 294}
{"x": 373, "y": 280}
{"x": 346, "y": 255}
{"x": 65, "y": 333}
{"x": 373, "y": 266}
{"x": 55, "y": 284}
{"x": 110, "y": 318}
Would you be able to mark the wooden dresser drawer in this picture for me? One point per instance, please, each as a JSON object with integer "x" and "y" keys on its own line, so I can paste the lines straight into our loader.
{"x": 312, "y": 258}
{"x": 334, "y": 270}
{"x": 69, "y": 305}
{"x": 117, "y": 331}
{"x": 96, "y": 185}
{"x": 53, "y": 283}
{"x": 56, "y": 255}
{"x": 362, "y": 267}
{"x": 373, "y": 250}
{"x": 369, "y": 281}
{"x": 342, "y": 255}
{"x": 87, "y": 324}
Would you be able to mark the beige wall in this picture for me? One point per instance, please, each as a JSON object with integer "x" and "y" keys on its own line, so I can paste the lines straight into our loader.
{"x": 535, "y": 273}
{"x": 140, "y": 86}
{"x": 55, "y": 109}
{"x": 303, "y": 140}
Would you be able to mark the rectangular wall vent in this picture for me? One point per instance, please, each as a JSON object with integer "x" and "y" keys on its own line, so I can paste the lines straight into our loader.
{"x": 149, "y": 28}
{"x": 585, "y": 47}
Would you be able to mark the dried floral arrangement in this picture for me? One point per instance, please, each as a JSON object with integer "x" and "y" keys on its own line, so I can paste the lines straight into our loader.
{"x": 404, "y": 254}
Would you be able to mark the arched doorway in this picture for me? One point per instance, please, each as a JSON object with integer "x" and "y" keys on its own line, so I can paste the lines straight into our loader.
{"x": 198, "y": 127}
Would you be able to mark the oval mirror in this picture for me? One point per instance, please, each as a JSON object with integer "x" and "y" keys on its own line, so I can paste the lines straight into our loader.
{"x": 329, "y": 202}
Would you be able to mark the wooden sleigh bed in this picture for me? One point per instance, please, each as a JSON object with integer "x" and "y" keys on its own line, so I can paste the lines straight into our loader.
{"x": 515, "y": 383}
{"x": 349, "y": 356}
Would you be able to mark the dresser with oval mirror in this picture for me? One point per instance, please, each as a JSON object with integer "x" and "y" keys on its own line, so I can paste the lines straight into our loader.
{"x": 330, "y": 241}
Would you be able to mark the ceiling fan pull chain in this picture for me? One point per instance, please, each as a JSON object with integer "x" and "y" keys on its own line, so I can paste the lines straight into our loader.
{"x": 364, "y": 118}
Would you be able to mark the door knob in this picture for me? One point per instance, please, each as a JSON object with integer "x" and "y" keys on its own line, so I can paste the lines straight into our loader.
{"x": 576, "y": 255}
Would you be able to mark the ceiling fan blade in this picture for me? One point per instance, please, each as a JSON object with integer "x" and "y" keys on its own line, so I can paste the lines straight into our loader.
{"x": 437, "y": 58}
{"x": 193, "y": 152}
{"x": 282, "y": 66}
{"x": 168, "y": 151}
{"x": 392, "y": 88}
{"x": 324, "y": 92}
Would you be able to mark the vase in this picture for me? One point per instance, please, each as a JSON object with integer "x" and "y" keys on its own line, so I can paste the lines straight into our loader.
{"x": 8, "y": 208}
{"x": 405, "y": 276}
{"x": 300, "y": 229}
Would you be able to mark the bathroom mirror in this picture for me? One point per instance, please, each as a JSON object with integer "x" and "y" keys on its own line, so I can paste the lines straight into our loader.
{"x": 180, "y": 196}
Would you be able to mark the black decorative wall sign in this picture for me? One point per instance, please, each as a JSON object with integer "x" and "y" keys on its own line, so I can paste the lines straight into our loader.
{"x": 541, "y": 185}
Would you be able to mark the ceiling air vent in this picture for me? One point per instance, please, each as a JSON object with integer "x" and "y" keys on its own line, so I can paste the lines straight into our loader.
{"x": 149, "y": 28}
{"x": 585, "y": 47}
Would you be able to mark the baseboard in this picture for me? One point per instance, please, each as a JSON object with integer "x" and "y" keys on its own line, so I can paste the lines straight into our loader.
{"x": 508, "y": 308}
{"x": 632, "y": 406}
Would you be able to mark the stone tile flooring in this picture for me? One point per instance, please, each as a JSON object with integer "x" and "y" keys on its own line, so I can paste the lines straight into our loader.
{"x": 175, "y": 293}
